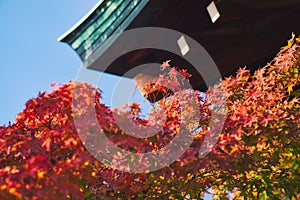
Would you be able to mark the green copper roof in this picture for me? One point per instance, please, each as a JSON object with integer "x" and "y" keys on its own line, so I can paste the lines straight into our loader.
{"x": 106, "y": 18}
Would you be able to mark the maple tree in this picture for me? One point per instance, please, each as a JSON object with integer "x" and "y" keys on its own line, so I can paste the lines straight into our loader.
{"x": 256, "y": 156}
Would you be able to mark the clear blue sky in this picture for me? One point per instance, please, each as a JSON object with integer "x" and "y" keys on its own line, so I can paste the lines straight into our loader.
{"x": 31, "y": 57}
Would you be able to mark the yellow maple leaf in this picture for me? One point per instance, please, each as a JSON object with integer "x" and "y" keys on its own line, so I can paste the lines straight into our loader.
{"x": 290, "y": 88}
{"x": 289, "y": 45}
{"x": 41, "y": 174}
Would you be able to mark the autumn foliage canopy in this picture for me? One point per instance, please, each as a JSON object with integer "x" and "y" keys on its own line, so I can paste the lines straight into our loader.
{"x": 256, "y": 156}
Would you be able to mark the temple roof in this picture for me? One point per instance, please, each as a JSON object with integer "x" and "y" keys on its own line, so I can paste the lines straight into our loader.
{"x": 247, "y": 33}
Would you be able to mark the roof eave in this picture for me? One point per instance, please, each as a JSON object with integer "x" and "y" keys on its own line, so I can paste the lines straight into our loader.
{"x": 64, "y": 36}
